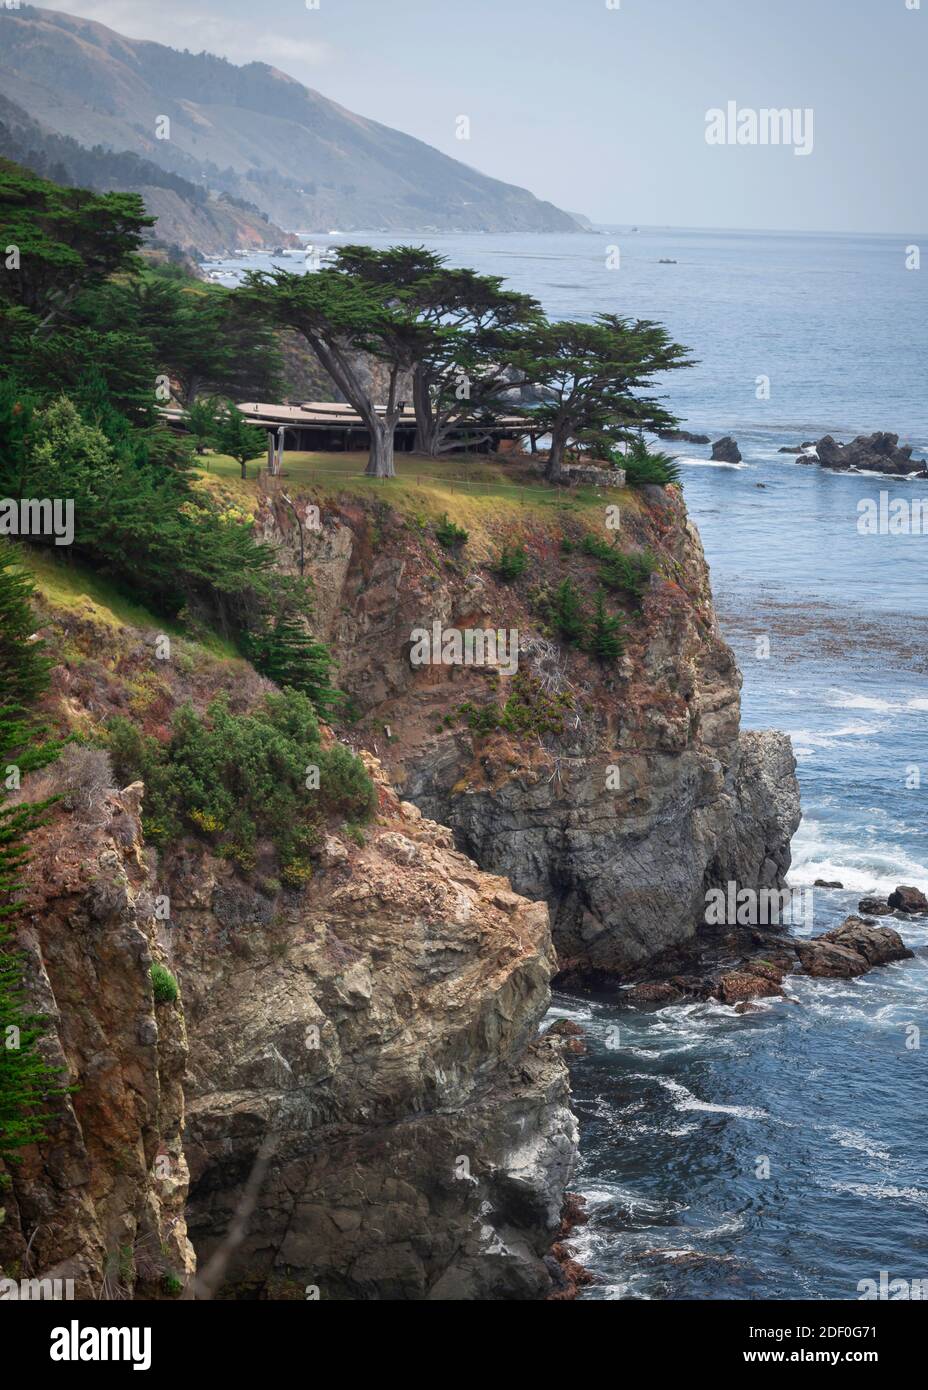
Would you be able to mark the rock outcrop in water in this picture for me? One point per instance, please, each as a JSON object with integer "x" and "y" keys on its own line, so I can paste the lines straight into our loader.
{"x": 650, "y": 793}
{"x": 851, "y": 949}
{"x": 683, "y": 436}
{"x": 872, "y": 453}
{"x": 754, "y": 965}
{"x": 726, "y": 450}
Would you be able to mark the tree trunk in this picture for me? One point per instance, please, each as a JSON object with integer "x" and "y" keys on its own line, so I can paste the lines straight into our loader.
{"x": 380, "y": 464}
{"x": 422, "y": 403}
{"x": 555, "y": 455}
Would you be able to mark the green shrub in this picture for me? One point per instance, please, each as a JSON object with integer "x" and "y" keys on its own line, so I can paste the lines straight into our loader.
{"x": 606, "y": 641}
{"x": 619, "y": 571}
{"x": 140, "y": 520}
{"x": 242, "y": 777}
{"x": 512, "y": 563}
{"x": 448, "y": 534}
{"x": 567, "y": 613}
{"x": 643, "y": 467}
{"x": 529, "y": 710}
{"x": 28, "y": 1083}
{"x": 163, "y": 984}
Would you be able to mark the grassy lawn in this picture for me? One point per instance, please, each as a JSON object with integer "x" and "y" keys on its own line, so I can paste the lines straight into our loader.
{"x": 474, "y": 491}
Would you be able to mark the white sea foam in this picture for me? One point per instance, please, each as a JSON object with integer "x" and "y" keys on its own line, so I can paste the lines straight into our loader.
{"x": 713, "y": 463}
{"x": 876, "y": 868}
{"x": 832, "y": 738}
{"x": 685, "y": 1100}
{"x": 848, "y": 699}
{"x": 861, "y": 1143}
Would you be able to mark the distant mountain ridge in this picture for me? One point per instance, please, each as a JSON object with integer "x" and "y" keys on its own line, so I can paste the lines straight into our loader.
{"x": 190, "y": 217}
{"x": 250, "y": 132}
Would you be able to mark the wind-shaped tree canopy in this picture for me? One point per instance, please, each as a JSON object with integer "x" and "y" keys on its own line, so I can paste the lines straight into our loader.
{"x": 596, "y": 378}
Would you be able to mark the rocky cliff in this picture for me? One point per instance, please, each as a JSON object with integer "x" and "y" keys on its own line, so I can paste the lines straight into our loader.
{"x": 383, "y": 1032}
{"x": 102, "y": 1201}
{"x": 640, "y": 796}
{"x": 368, "y": 1043}
{"x": 372, "y": 1037}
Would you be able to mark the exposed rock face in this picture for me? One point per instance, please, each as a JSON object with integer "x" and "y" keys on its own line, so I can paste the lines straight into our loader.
{"x": 726, "y": 450}
{"x": 649, "y": 796}
{"x": 101, "y": 1201}
{"x": 872, "y": 453}
{"x": 382, "y": 1028}
{"x": 874, "y": 907}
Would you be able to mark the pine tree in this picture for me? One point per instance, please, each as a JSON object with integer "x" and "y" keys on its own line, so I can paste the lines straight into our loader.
{"x": 235, "y": 437}
{"x": 568, "y": 613}
{"x": 287, "y": 654}
{"x": 605, "y": 641}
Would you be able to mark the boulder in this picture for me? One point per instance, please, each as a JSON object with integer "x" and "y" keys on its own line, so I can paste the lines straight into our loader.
{"x": 569, "y": 1036}
{"x": 872, "y": 453}
{"x": 654, "y": 992}
{"x": 726, "y": 450}
{"x": 750, "y": 981}
{"x": 874, "y": 907}
{"x": 851, "y": 949}
{"x": 823, "y": 958}
{"x": 827, "y": 883}
{"x": 877, "y": 945}
{"x": 909, "y": 900}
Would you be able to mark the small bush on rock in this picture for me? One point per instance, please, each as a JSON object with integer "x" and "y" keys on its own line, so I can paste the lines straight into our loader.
{"x": 448, "y": 534}
{"x": 163, "y": 984}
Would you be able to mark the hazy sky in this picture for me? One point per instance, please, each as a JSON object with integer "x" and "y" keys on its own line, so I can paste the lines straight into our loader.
{"x": 603, "y": 110}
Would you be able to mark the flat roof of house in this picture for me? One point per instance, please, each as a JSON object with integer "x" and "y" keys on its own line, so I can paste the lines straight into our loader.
{"x": 320, "y": 414}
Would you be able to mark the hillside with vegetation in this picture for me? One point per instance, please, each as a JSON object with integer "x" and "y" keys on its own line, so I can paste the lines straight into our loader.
{"x": 251, "y": 132}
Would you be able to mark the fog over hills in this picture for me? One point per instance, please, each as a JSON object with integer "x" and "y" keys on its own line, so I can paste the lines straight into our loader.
{"x": 251, "y": 132}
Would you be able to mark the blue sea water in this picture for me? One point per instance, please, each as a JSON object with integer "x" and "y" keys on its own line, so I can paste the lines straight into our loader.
{"x": 677, "y": 1120}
